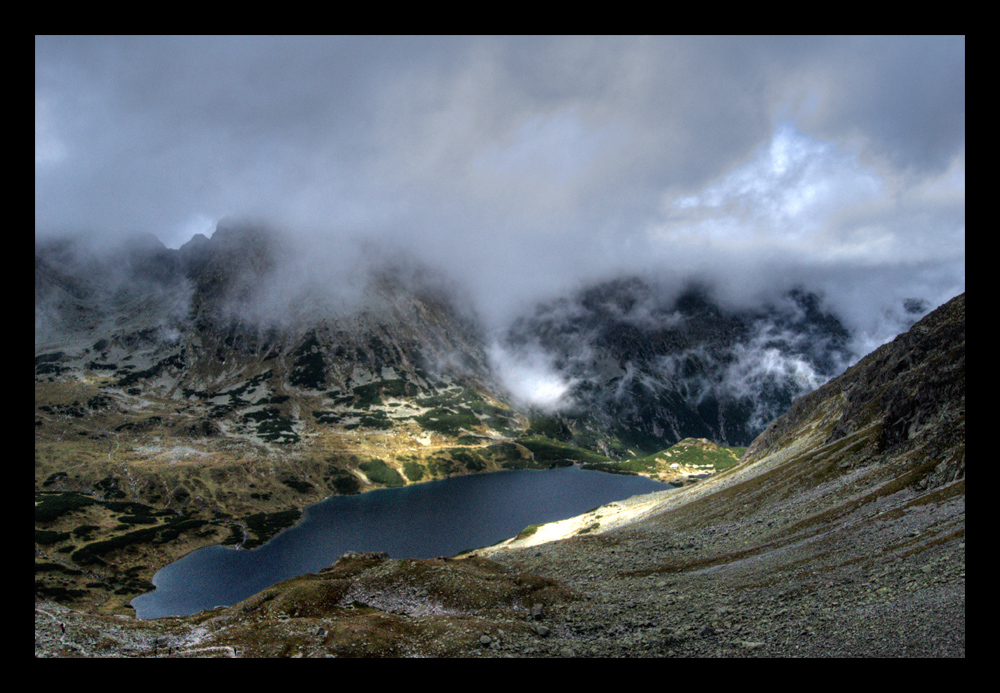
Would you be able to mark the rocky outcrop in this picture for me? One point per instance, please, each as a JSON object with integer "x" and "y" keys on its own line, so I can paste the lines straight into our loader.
{"x": 911, "y": 389}
{"x": 651, "y": 368}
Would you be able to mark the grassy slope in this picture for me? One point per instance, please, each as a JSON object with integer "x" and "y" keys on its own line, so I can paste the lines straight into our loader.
{"x": 211, "y": 458}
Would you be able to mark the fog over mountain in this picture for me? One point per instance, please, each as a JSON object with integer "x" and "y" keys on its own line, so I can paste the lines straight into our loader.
{"x": 515, "y": 174}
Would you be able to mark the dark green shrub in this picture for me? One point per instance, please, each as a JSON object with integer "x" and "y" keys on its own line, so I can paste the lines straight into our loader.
{"x": 551, "y": 453}
{"x": 53, "y": 478}
{"x": 471, "y": 460}
{"x": 109, "y": 486}
{"x": 51, "y": 506}
{"x": 345, "y": 484}
{"x": 448, "y": 422}
{"x": 137, "y": 520}
{"x": 46, "y": 537}
{"x": 327, "y": 417}
{"x": 550, "y": 428}
{"x": 413, "y": 470}
{"x": 266, "y": 525}
{"x": 309, "y": 371}
{"x": 56, "y": 568}
{"x": 85, "y": 532}
{"x": 298, "y": 485}
{"x": 378, "y": 472}
{"x": 129, "y": 508}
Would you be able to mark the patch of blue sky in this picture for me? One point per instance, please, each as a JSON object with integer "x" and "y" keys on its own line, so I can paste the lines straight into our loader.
{"x": 788, "y": 190}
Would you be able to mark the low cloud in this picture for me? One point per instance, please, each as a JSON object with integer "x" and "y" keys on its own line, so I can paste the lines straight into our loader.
{"x": 526, "y": 168}
{"x": 531, "y": 378}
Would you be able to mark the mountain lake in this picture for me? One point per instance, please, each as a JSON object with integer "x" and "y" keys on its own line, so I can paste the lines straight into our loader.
{"x": 425, "y": 520}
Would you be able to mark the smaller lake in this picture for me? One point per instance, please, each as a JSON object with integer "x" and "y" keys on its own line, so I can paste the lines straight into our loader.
{"x": 435, "y": 518}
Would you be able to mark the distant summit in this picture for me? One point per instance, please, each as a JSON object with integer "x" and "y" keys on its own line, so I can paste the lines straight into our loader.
{"x": 649, "y": 369}
{"x": 634, "y": 368}
{"x": 623, "y": 367}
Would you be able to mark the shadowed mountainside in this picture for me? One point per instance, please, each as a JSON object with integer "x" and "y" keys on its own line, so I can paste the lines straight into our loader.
{"x": 645, "y": 369}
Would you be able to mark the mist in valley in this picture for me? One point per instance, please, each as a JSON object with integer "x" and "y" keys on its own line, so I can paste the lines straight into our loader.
{"x": 505, "y": 178}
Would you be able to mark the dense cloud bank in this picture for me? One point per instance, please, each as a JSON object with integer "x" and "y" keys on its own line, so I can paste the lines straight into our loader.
{"x": 525, "y": 169}
{"x": 650, "y": 360}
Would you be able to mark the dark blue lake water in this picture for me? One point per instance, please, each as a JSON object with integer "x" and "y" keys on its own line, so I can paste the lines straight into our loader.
{"x": 436, "y": 518}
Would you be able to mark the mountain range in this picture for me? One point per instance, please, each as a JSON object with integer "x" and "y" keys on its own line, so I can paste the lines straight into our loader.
{"x": 620, "y": 366}
{"x": 207, "y": 394}
{"x": 240, "y": 347}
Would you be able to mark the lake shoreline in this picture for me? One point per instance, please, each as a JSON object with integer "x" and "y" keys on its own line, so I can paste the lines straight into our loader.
{"x": 413, "y": 532}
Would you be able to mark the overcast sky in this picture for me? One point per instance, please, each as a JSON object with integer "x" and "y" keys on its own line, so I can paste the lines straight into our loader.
{"x": 527, "y": 165}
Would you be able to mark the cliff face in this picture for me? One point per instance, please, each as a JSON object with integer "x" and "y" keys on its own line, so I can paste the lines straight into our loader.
{"x": 241, "y": 349}
{"x": 650, "y": 369}
{"x": 907, "y": 398}
{"x": 227, "y": 350}
{"x": 247, "y": 310}
{"x": 219, "y": 389}
{"x": 889, "y": 432}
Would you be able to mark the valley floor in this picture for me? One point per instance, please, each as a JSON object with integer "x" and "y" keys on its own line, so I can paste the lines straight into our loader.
{"x": 740, "y": 588}
{"x": 841, "y": 533}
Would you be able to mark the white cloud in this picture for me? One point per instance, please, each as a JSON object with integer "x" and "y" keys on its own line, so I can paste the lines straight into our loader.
{"x": 531, "y": 377}
{"x": 184, "y": 232}
{"x": 546, "y": 149}
{"x": 785, "y": 196}
{"x": 49, "y": 146}
{"x": 526, "y": 166}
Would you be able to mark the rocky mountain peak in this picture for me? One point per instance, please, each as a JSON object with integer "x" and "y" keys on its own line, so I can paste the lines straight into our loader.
{"x": 911, "y": 392}
{"x": 656, "y": 365}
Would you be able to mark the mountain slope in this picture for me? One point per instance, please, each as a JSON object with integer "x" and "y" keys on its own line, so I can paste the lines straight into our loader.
{"x": 840, "y": 533}
{"x": 646, "y": 368}
{"x": 208, "y": 394}
{"x": 192, "y": 353}
{"x": 239, "y": 349}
